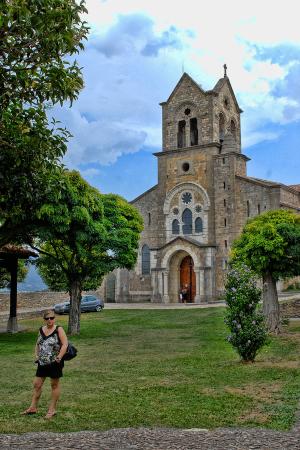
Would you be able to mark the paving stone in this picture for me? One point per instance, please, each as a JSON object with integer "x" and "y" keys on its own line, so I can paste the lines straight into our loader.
{"x": 155, "y": 439}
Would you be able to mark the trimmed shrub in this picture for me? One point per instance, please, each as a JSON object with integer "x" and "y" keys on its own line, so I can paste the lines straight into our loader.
{"x": 248, "y": 332}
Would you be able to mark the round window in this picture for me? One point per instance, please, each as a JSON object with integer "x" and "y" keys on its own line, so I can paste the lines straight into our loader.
{"x": 187, "y": 111}
{"x": 186, "y": 166}
{"x": 187, "y": 198}
{"x": 175, "y": 211}
{"x": 198, "y": 208}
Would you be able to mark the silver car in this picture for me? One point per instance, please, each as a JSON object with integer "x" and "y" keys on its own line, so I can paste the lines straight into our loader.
{"x": 88, "y": 303}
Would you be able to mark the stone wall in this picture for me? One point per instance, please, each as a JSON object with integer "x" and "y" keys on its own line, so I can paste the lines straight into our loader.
{"x": 290, "y": 308}
{"x": 289, "y": 197}
{"x": 38, "y": 300}
{"x": 224, "y": 104}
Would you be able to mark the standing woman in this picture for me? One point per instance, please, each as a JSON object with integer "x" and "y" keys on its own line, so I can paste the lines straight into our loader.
{"x": 50, "y": 348}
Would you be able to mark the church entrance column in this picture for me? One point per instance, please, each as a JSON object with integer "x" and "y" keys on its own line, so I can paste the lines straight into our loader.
{"x": 198, "y": 285}
{"x": 165, "y": 286}
{"x": 202, "y": 286}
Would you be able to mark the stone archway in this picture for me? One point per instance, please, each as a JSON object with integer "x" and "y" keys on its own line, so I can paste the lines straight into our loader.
{"x": 179, "y": 271}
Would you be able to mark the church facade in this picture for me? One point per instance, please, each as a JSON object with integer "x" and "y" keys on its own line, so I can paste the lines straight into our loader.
{"x": 201, "y": 202}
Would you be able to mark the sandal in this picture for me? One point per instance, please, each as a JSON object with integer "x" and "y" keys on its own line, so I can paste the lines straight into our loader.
{"x": 50, "y": 414}
{"x": 29, "y": 412}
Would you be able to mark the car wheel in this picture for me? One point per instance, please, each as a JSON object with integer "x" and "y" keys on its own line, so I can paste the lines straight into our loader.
{"x": 98, "y": 308}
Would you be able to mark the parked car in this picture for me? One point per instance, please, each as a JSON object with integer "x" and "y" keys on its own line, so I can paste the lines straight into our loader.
{"x": 88, "y": 303}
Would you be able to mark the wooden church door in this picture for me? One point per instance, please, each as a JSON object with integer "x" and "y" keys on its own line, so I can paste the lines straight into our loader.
{"x": 188, "y": 277}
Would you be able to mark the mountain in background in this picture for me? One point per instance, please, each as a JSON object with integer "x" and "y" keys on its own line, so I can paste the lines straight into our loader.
{"x": 32, "y": 282}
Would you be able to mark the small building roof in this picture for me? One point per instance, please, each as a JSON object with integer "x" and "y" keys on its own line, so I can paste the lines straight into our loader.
{"x": 9, "y": 250}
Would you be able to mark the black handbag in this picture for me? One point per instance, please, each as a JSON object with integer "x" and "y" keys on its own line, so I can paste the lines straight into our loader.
{"x": 70, "y": 353}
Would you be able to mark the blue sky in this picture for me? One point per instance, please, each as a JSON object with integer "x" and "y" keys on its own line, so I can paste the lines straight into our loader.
{"x": 136, "y": 53}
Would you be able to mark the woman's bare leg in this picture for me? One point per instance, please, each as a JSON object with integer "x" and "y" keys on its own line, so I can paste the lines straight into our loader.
{"x": 55, "y": 393}
{"x": 37, "y": 391}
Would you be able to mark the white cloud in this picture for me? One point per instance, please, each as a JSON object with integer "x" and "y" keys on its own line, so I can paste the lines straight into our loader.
{"x": 90, "y": 173}
{"x": 259, "y": 136}
{"x": 98, "y": 141}
{"x": 135, "y": 56}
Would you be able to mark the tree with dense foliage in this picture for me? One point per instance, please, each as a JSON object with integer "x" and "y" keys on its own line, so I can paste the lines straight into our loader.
{"x": 37, "y": 40}
{"x": 270, "y": 246}
{"x": 5, "y": 275}
{"x": 243, "y": 317}
{"x": 85, "y": 236}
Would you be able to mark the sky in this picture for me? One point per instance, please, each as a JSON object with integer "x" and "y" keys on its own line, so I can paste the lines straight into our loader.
{"x": 137, "y": 51}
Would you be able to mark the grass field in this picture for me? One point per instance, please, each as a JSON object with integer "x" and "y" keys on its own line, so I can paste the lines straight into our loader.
{"x": 154, "y": 368}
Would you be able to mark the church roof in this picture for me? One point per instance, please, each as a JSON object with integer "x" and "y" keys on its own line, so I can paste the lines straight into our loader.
{"x": 267, "y": 182}
{"x": 220, "y": 84}
{"x": 295, "y": 186}
{"x": 187, "y": 239}
{"x": 144, "y": 193}
{"x": 183, "y": 77}
{"x": 215, "y": 91}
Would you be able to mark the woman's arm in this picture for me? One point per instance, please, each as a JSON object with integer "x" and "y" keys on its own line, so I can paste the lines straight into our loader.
{"x": 36, "y": 352}
{"x": 64, "y": 343}
{"x": 37, "y": 349}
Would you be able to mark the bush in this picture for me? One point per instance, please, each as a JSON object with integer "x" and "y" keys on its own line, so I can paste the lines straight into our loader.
{"x": 243, "y": 317}
{"x": 293, "y": 287}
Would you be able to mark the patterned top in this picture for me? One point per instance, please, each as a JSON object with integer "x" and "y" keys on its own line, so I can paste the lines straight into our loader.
{"x": 49, "y": 347}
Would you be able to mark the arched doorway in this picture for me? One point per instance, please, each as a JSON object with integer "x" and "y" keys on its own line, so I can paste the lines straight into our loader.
{"x": 188, "y": 277}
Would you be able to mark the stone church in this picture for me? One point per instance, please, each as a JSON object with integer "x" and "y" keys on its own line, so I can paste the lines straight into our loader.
{"x": 201, "y": 201}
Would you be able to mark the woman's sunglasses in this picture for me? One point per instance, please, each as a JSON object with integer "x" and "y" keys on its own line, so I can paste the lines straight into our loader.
{"x": 49, "y": 318}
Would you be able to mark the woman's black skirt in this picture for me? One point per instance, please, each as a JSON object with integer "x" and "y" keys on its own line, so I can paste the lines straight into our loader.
{"x": 53, "y": 370}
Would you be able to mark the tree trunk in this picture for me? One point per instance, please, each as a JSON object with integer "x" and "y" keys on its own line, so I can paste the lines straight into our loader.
{"x": 12, "y": 324}
{"x": 75, "y": 299}
{"x": 271, "y": 304}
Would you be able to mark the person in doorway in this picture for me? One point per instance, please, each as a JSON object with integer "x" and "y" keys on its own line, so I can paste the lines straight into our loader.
{"x": 51, "y": 345}
{"x": 184, "y": 293}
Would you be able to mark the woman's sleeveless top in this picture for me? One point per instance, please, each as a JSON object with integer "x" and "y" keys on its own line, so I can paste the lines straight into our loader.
{"x": 49, "y": 347}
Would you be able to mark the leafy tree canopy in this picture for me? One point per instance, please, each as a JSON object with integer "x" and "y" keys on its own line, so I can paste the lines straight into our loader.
{"x": 123, "y": 224}
{"x": 270, "y": 242}
{"x": 270, "y": 246}
{"x": 72, "y": 232}
{"x": 37, "y": 38}
{"x": 85, "y": 236}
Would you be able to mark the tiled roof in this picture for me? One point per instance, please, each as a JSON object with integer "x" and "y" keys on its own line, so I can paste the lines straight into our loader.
{"x": 14, "y": 250}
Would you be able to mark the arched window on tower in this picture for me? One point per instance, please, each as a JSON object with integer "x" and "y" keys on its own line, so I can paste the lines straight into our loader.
{"x": 198, "y": 225}
{"x": 221, "y": 127}
{"x": 194, "y": 131}
{"x": 233, "y": 129}
{"x": 175, "y": 227}
{"x": 145, "y": 260}
{"x": 181, "y": 134}
{"x": 187, "y": 219}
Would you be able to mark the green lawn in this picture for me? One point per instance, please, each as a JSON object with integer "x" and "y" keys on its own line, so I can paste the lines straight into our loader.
{"x": 164, "y": 368}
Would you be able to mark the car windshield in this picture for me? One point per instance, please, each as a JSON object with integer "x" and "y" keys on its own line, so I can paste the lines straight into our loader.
{"x": 88, "y": 299}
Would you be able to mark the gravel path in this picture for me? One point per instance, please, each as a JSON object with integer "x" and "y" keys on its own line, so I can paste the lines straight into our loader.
{"x": 156, "y": 439}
